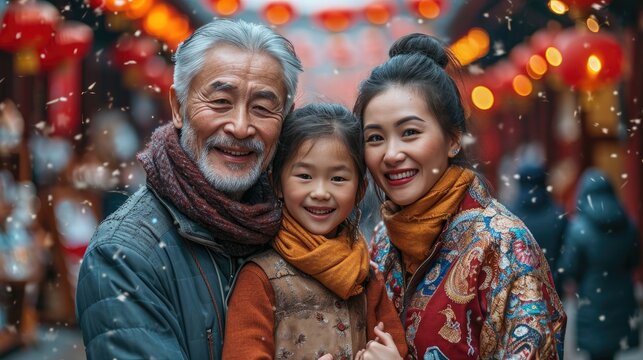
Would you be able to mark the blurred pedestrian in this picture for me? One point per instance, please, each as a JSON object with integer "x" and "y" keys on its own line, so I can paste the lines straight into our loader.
{"x": 545, "y": 218}
{"x": 601, "y": 251}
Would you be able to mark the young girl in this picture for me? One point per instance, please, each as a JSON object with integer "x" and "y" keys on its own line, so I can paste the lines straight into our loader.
{"x": 312, "y": 294}
{"x": 465, "y": 274}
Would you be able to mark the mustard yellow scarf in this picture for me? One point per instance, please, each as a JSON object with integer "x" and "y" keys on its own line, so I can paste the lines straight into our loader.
{"x": 339, "y": 264}
{"x": 414, "y": 228}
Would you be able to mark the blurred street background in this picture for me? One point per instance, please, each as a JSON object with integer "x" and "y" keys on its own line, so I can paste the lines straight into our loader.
{"x": 555, "y": 86}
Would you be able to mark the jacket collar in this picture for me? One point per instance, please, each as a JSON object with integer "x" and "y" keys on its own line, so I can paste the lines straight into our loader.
{"x": 184, "y": 224}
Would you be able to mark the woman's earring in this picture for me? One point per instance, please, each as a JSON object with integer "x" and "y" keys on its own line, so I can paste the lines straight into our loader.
{"x": 455, "y": 151}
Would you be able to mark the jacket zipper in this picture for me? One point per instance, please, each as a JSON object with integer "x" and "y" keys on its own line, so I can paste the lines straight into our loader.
{"x": 210, "y": 343}
{"x": 408, "y": 290}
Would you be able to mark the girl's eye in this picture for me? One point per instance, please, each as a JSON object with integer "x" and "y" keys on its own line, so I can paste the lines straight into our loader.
{"x": 304, "y": 176}
{"x": 337, "y": 179}
{"x": 374, "y": 138}
{"x": 409, "y": 132}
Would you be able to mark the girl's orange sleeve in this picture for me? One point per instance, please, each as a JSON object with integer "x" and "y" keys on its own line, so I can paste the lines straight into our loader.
{"x": 380, "y": 308}
{"x": 250, "y": 319}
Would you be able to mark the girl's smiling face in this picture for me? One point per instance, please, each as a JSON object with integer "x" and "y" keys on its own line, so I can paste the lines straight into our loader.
{"x": 319, "y": 185}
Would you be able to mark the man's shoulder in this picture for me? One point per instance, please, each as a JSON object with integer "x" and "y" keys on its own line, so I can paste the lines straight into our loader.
{"x": 139, "y": 223}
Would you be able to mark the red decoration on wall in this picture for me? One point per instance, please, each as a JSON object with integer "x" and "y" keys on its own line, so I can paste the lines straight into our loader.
{"x": 590, "y": 60}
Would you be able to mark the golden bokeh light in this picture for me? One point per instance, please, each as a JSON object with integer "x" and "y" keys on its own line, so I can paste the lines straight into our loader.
{"x": 537, "y": 65}
{"x": 522, "y": 85}
{"x": 558, "y": 7}
{"x": 592, "y": 24}
{"x": 482, "y": 97}
{"x": 594, "y": 65}
{"x": 553, "y": 56}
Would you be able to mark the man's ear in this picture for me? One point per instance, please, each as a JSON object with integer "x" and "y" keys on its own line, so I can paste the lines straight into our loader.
{"x": 177, "y": 119}
{"x": 292, "y": 107}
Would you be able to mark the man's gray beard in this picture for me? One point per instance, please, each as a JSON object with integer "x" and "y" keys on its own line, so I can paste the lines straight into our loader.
{"x": 228, "y": 185}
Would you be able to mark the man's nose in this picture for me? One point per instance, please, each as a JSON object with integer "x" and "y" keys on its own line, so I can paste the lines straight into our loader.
{"x": 240, "y": 125}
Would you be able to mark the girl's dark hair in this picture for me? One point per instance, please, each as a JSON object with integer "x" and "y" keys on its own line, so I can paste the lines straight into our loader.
{"x": 317, "y": 121}
{"x": 419, "y": 61}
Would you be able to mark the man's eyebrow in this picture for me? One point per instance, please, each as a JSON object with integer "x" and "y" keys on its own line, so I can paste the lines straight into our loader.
{"x": 266, "y": 94}
{"x": 222, "y": 86}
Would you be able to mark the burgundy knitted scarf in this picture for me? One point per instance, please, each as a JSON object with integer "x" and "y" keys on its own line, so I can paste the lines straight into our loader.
{"x": 240, "y": 228}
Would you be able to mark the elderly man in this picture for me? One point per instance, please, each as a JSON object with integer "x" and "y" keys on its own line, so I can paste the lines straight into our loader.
{"x": 154, "y": 280}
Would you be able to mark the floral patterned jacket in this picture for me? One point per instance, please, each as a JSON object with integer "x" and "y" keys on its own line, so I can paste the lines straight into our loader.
{"x": 485, "y": 291}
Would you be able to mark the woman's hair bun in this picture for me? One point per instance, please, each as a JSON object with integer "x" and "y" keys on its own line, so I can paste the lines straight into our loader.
{"x": 424, "y": 44}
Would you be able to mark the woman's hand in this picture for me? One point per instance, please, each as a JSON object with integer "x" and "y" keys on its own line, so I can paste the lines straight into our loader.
{"x": 382, "y": 348}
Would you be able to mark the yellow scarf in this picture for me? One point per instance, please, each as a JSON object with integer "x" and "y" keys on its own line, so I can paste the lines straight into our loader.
{"x": 414, "y": 228}
{"x": 339, "y": 264}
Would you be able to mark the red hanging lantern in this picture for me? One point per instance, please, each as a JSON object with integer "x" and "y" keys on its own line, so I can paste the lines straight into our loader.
{"x": 278, "y": 13}
{"x": 427, "y": 9}
{"x": 158, "y": 75}
{"x": 96, "y": 4}
{"x": 63, "y": 55}
{"x": 586, "y": 4}
{"x": 379, "y": 12}
{"x": 499, "y": 79}
{"x": 26, "y": 27}
{"x": 335, "y": 20}
{"x": 225, "y": 7}
{"x": 541, "y": 40}
{"x": 131, "y": 50}
{"x": 519, "y": 56}
{"x": 71, "y": 42}
{"x": 589, "y": 60}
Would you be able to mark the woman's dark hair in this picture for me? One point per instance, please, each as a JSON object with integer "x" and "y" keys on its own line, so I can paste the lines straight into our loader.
{"x": 318, "y": 121}
{"x": 419, "y": 61}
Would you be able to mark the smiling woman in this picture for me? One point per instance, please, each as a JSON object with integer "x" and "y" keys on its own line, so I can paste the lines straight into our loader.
{"x": 465, "y": 275}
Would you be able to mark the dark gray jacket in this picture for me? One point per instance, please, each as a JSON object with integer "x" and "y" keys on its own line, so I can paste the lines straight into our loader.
{"x": 146, "y": 291}
{"x": 601, "y": 252}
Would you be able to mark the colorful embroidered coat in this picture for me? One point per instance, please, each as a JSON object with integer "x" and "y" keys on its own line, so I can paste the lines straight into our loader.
{"x": 485, "y": 291}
